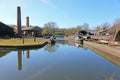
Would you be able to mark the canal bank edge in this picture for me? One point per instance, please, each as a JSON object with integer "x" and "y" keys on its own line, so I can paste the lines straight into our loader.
{"x": 104, "y": 48}
{"x": 23, "y": 46}
{"x": 115, "y": 60}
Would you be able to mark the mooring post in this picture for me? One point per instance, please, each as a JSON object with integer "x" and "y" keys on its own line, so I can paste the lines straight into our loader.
{"x": 34, "y": 38}
{"x": 23, "y": 39}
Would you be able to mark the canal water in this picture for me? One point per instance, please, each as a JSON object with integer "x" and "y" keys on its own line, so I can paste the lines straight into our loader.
{"x": 60, "y": 61}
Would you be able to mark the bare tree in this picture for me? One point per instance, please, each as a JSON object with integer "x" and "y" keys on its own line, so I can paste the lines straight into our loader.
{"x": 79, "y": 28}
{"x": 49, "y": 28}
{"x": 106, "y": 26}
{"x": 85, "y": 27}
{"x": 116, "y": 25}
{"x": 50, "y": 25}
{"x": 98, "y": 28}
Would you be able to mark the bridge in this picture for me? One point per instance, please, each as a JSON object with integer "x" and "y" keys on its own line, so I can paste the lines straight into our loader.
{"x": 59, "y": 33}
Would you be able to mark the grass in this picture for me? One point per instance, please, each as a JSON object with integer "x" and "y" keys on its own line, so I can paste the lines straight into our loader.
{"x": 19, "y": 42}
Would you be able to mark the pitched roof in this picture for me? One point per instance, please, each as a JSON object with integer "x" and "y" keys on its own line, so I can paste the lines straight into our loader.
{"x": 36, "y": 28}
{"x": 5, "y": 29}
{"x": 3, "y": 26}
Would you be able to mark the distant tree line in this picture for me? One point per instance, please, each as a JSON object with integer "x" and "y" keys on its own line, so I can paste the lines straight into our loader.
{"x": 51, "y": 27}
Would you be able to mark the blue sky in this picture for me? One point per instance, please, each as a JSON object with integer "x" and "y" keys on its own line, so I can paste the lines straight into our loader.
{"x": 66, "y": 13}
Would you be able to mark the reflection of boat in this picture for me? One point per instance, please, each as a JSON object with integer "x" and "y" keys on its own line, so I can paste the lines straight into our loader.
{"x": 78, "y": 45}
{"x": 52, "y": 40}
{"x": 79, "y": 40}
{"x": 51, "y": 48}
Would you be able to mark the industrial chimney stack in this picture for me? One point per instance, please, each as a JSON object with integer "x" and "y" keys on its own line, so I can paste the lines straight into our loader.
{"x": 19, "y": 21}
{"x": 27, "y": 22}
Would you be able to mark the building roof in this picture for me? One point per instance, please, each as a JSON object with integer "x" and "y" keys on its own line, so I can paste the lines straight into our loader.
{"x": 33, "y": 28}
{"x": 3, "y": 27}
{"x": 6, "y": 30}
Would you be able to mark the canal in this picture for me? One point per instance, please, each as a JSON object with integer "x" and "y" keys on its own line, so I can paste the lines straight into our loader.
{"x": 61, "y": 61}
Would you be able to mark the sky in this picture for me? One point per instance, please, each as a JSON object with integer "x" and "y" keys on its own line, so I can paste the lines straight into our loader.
{"x": 65, "y": 13}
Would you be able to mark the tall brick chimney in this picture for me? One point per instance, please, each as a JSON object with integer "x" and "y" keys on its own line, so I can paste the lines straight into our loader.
{"x": 19, "y": 21}
{"x": 27, "y": 22}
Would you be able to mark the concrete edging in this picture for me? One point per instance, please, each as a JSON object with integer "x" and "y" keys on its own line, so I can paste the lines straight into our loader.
{"x": 102, "y": 48}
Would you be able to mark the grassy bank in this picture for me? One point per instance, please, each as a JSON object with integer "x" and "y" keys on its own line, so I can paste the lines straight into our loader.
{"x": 19, "y": 42}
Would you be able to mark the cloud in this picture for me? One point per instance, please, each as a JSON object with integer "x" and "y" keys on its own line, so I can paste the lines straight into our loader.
{"x": 49, "y": 3}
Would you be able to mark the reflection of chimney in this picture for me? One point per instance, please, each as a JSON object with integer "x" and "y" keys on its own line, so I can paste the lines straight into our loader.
{"x": 27, "y": 22}
{"x": 19, "y": 60}
{"x": 28, "y": 54}
{"x": 19, "y": 22}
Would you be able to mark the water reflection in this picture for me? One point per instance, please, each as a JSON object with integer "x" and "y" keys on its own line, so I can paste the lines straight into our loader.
{"x": 51, "y": 48}
{"x": 4, "y": 52}
{"x": 109, "y": 57}
{"x": 63, "y": 42}
{"x": 28, "y": 53}
{"x": 19, "y": 60}
{"x": 19, "y": 56}
{"x": 68, "y": 62}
